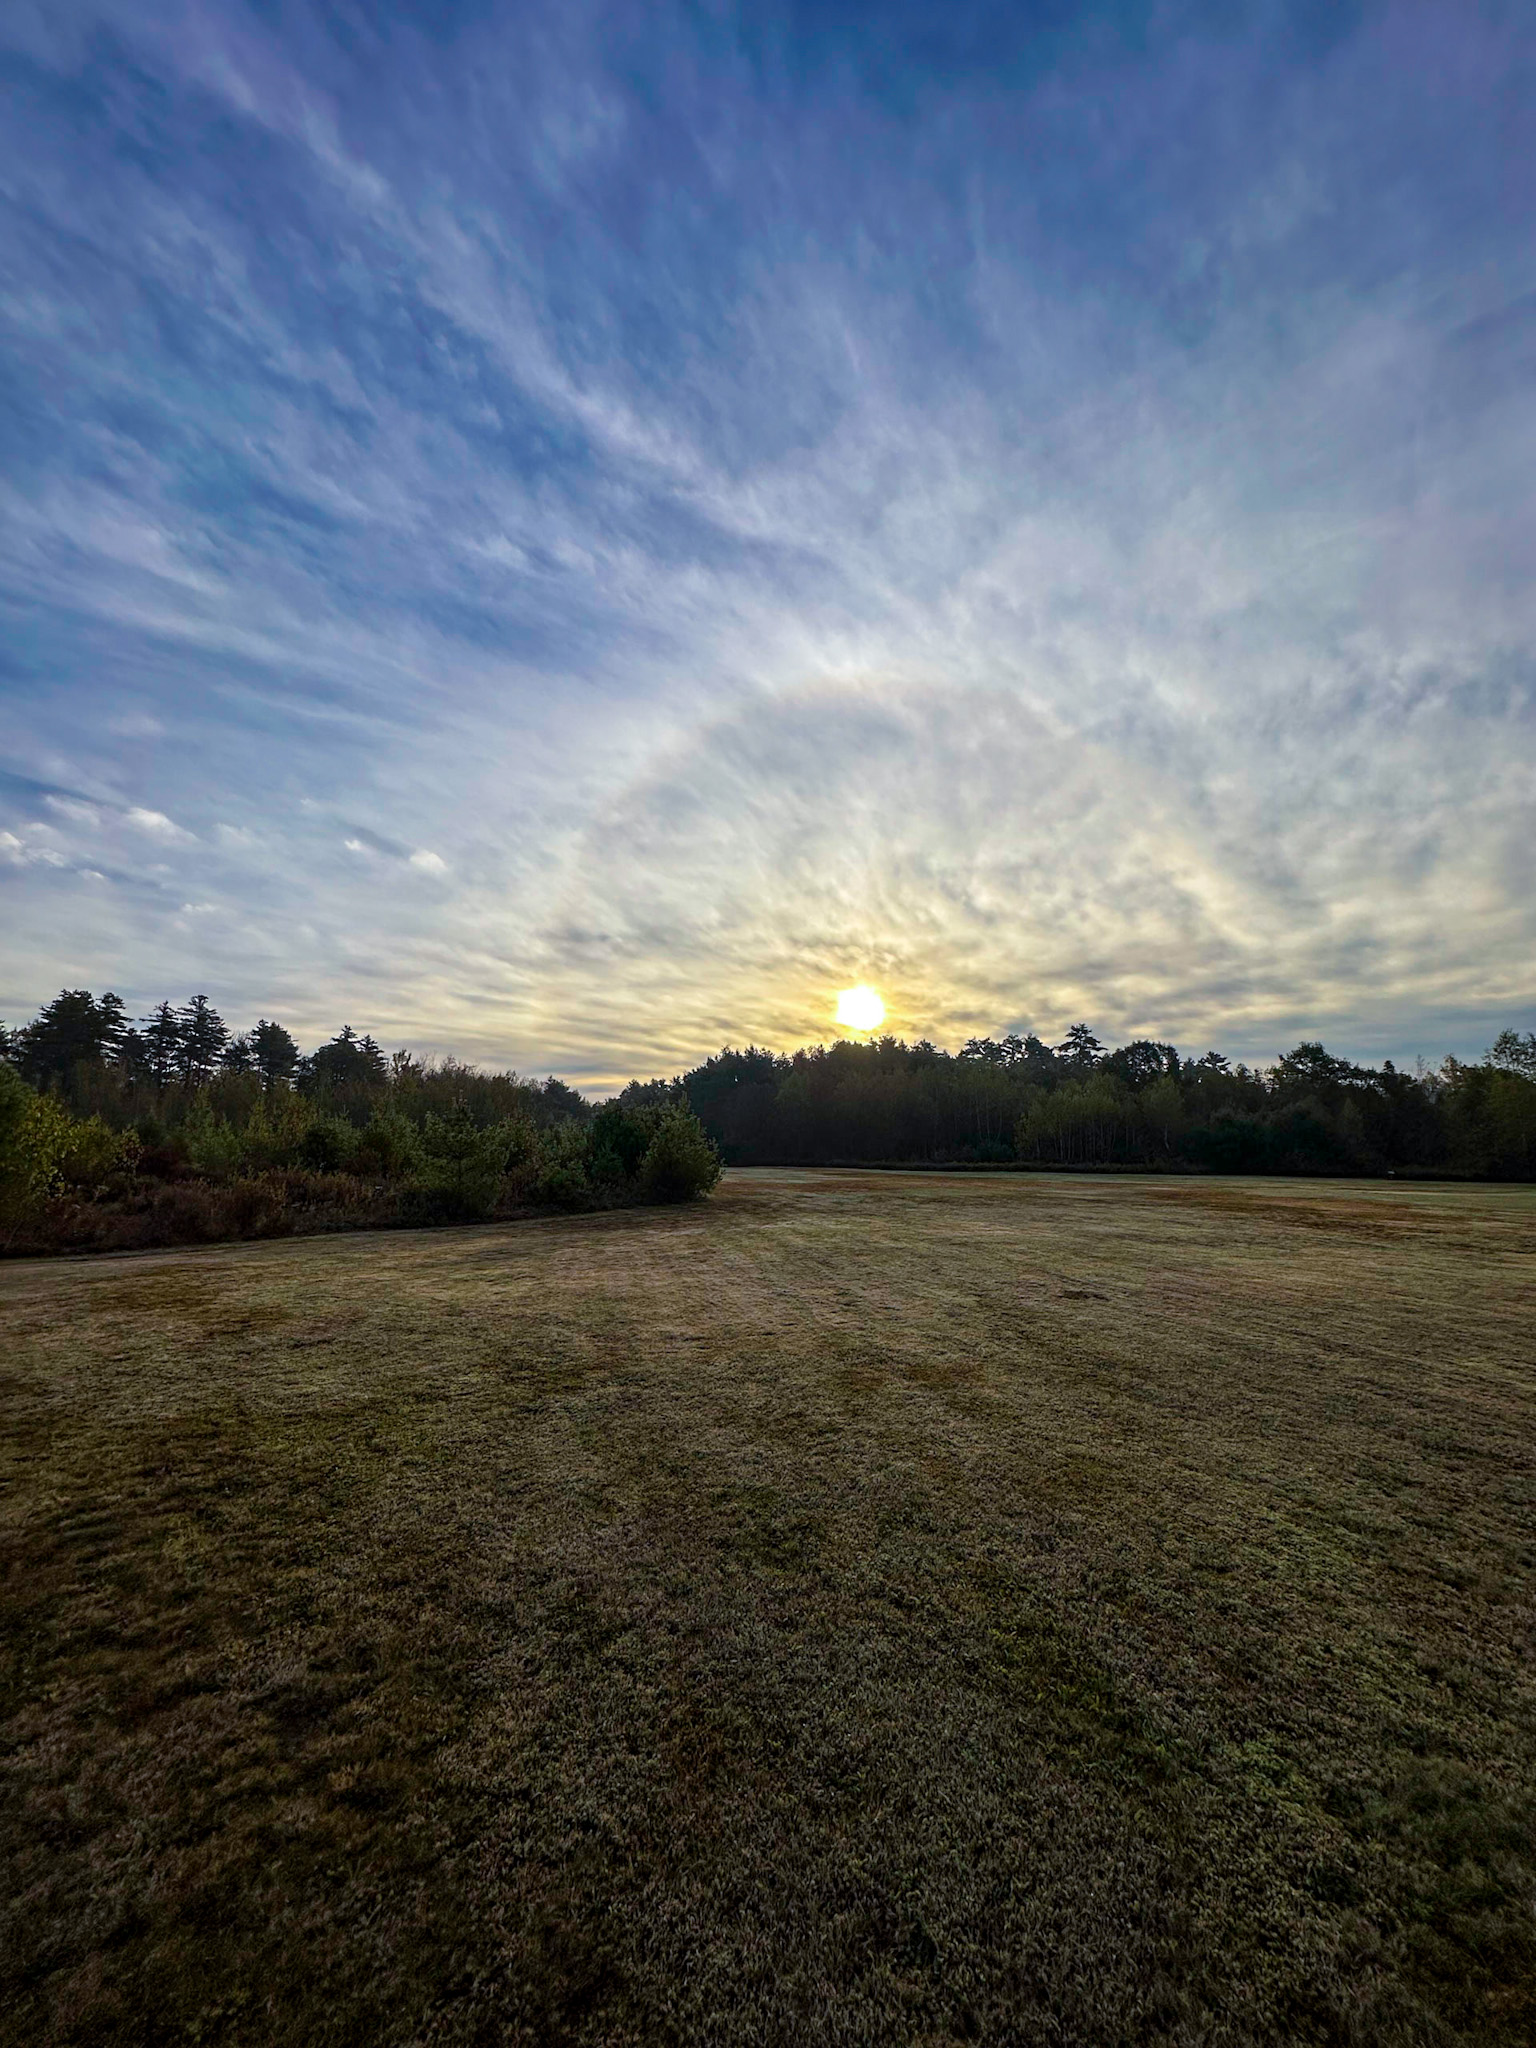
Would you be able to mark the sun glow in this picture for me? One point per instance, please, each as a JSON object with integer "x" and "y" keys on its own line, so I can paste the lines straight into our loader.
{"x": 860, "y": 1009}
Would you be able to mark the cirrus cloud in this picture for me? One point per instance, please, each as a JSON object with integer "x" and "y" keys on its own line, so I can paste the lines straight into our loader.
{"x": 1044, "y": 526}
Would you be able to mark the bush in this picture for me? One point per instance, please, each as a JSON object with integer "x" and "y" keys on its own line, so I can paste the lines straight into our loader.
{"x": 988, "y": 1152}
{"x": 563, "y": 1167}
{"x": 76, "y": 1184}
{"x": 259, "y": 1206}
{"x": 388, "y": 1147}
{"x": 274, "y": 1131}
{"x": 34, "y": 1139}
{"x": 94, "y": 1154}
{"x": 680, "y": 1163}
{"x": 212, "y": 1146}
{"x": 326, "y": 1145}
{"x": 462, "y": 1166}
{"x": 620, "y": 1139}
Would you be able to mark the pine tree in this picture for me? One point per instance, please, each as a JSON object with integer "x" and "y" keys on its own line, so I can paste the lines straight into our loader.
{"x": 1080, "y": 1050}
{"x": 275, "y": 1054}
{"x": 346, "y": 1061}
{"x": 113, "y": 1024}
{"x": 130, "y": 1056}
{"x": 162, "y": 1044}
{"x": 70, "y": 1031}
{"x": 237, "y": 1057}
{"x": 204, "y": 1035}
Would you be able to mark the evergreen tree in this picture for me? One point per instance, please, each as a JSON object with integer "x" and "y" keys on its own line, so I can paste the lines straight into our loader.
{"x": 114, "y": 1025}
{"x": 346, "y": 1061}
{"x": 237, "y": 1057}
{"x": 130, "y": 1058}
{"x": 985, "y": 1050}
{"x": 204, "y": 1035}
{"x": 69, "y": 1032}
{"x": 275, "y": 1054}
{"x": 162, "y": 1044}
{"x": 1080, "y": 1050}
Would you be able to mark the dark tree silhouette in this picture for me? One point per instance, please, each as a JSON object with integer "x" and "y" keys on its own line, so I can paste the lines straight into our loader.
{"x": 71, "y": 1031}
{"x": 237, "y": 1057}
{"x": 1080, "y": 1051}
{"x": 347, "y": 1061}
{"x": 1143, "y": 1061}
{"x": 162, "y": 1045}
{"x": 1515, "y": 1054}
{"x": 204, "y": 1035}
{"x": 275, "y": 1054}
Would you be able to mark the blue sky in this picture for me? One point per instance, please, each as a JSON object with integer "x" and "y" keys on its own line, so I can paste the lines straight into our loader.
{"x": 570, "y": 534}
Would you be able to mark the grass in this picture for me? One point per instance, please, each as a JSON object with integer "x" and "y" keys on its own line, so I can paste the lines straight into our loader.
{"x": 861, "y": 1608}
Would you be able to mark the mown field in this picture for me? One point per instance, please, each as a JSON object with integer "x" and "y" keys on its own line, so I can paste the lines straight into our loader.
{"x": 863, "y": 1608}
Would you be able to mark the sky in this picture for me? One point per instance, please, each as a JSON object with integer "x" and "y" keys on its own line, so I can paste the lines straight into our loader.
{"x": 570, "y": 534}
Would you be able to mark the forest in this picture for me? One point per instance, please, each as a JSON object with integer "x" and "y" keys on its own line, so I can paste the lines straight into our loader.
{"x": 173, "y": 1128}
{"x": 1018, "y": 1101}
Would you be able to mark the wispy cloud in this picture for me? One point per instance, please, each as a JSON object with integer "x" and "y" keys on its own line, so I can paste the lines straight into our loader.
{"x": 18, "y": 852}
{"x": 739, "y": 514}
{"x": 157, "y": 825}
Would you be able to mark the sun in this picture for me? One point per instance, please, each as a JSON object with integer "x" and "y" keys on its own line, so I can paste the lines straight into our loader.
{"x": 860, "y": 1009}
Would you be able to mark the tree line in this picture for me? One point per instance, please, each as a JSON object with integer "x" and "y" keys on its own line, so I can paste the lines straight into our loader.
{"x": 1080, "y": 1103}
{"x": 88, "y": 1052}
{"x": 174, "y": 1128}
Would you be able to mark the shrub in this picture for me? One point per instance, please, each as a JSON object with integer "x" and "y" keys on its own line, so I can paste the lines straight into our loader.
{"x": 163, "y": 1162}
{"x": 94, "y": 1154}
{"x": 607, "y": 1168}
{"x": 259, "y": 1206}
{"x": 274, "y": 1131}
{"x": 680, "y": 1162}
{"x": 988, "y": 1152}
{"x": 325, "y": 1145}
{"x": 462, "y": 1166}
{"x": 71, "y": 1183}
{"x": 620, "y": 1139}
{"x": 519, "y": 1138}
{"x": 212, "y": 1146}
{"x": 389, "y": 1146}
{"x": 34, "y": 1138}
{"x": 192, "y": 1213}
{"x": 563, "y": 1170}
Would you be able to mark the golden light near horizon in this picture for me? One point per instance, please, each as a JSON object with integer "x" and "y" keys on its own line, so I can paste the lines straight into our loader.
{"x": 860, "y": 1009}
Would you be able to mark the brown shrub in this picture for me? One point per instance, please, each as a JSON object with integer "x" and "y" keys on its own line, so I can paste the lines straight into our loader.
{"x": 174, "y": 1206}
{"x": 186, "y": 1211}
{"x": 163, "y": 1162}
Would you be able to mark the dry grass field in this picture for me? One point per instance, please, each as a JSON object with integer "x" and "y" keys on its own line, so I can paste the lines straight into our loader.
{"x": 864, "y": 1608}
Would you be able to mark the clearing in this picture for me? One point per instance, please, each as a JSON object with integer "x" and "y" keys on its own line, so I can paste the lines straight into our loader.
{"x": 864, "y": 1607}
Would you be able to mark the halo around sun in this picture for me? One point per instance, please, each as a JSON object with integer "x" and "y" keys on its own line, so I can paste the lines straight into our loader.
{"x": 860, "y": 1009}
